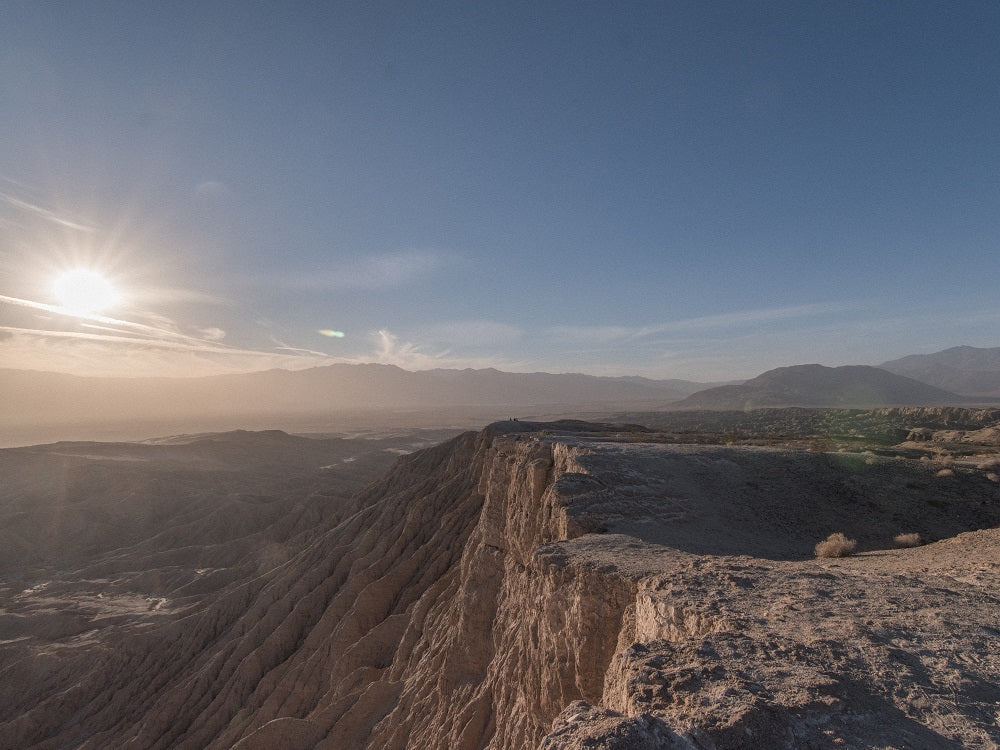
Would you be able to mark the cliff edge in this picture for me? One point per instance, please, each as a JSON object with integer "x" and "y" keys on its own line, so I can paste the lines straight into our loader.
{"x": 570, "y": 585}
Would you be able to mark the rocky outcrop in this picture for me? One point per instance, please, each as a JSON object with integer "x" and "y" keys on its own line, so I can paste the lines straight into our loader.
{"x": 564, "y": 586}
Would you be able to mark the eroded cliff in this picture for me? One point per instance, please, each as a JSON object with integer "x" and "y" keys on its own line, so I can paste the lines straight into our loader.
{"x": 565, "y": 586}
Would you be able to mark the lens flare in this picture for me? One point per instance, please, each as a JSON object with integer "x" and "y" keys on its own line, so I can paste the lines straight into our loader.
{"x": 84, "y": 292}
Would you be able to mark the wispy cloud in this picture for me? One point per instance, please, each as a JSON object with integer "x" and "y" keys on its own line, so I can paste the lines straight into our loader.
{"x": 383, "y": 271}
{"x": 68, "y": 341}
{"x": 589, "y": 334}
{"x": 212, "y": 333}
{"x": 45, "y": 213}
{"x": 212, "y": 189}
{"x": 391, "y": 350}
{"x": 469, "y": 333}
{"x": 83, "y": 353}
{"x": 99, "y": 344}
{"x": 724, "y": 321}
{"x": 743, "y": 318}
{"x": 164, "y": 331}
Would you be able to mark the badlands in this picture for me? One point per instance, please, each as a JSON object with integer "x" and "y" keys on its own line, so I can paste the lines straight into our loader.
{"x": 532, "y": 585}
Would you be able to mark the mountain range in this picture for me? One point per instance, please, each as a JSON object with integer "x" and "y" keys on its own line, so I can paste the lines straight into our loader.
{"x": 36, "y": 405}
{"x": 32, "y": 399}
{"x": 962, "y": 369}
{"x": 816, "y": 385}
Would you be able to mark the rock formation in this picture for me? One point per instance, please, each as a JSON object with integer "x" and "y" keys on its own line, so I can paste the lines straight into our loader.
{"x": 566, "y": 586}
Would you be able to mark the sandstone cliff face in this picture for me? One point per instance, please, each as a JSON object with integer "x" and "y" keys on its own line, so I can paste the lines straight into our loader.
{"x": 566, "y": 586}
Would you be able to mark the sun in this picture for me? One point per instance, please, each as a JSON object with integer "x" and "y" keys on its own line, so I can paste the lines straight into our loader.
{"x": 85, "y": 292}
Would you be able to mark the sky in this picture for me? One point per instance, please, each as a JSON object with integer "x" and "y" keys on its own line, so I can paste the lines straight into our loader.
{"x": 672, "y": 189}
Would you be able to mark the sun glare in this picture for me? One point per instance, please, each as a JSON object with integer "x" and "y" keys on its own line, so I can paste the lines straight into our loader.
{"x": 85, "y": 292}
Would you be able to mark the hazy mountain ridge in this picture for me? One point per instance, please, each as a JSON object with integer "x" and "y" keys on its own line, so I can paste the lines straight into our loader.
{"x": 41, "y": 406}
{"x": 43, "y": 396}
{"x": 963, "y": 369}
{"x": 816, "y": 385}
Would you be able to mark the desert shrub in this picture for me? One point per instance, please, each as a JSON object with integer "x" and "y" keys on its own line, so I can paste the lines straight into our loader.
{"x": 945, "y": 473}
{"x": 908, "y": 540}
{"x": 821, "y": 444}
{"x": 836, "y": 545}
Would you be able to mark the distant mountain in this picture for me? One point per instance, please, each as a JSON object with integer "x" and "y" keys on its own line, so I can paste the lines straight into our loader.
{"x": 43, "y": 397}
{"x": 816, "y": 385}
{"x": 962, "y": 369}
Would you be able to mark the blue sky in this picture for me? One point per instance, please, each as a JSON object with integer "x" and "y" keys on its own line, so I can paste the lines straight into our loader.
{"x": 676, "y": 189}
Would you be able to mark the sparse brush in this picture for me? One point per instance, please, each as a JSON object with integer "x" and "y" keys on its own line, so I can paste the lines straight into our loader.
{"x": 908, "y": 540}
{"x": 836, "y": 545}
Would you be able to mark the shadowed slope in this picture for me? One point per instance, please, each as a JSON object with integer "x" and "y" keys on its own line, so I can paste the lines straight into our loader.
{"x": 962, "y": 369}
{"x": 815, "y": 385}
{"x": 536, "y": 584}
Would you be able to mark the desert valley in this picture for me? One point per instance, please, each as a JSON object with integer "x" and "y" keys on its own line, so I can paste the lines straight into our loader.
{"x": 499, "y": 376}
{"x": 645, "y": 579}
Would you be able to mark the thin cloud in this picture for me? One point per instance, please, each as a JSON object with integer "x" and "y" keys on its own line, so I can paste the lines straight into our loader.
{"x": 723, "y": 321}
{"x": 212, "y": 189}
{"x": 391, "y": 350}
{"x": 281, "y": 346}
{"x": 110, "y": 340}
{"x": 45, "y": 213}
{"x": 112, "y": 337}
{"x": 165, "y": 331}
{"x": 212, "y": 333}
{"x": 374, "y": 272}
{"x": 591, "y": 334}
{"x": 742, "y": 318}
{"x": 99, "y": 354}
{"x": 100, "y": 344}
{"x": 471, "y": 333}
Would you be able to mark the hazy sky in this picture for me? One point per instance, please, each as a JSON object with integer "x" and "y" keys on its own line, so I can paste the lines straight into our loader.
{"x": 700, "y": 189}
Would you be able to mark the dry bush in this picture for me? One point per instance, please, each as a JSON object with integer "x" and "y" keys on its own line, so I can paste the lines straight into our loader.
{"x": 908, "y": 540}
{"x": 945, "y": 473}
{"x": 836, "y": 545}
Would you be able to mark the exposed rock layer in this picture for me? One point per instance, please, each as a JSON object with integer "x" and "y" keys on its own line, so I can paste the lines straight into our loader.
{"x": 570, "y": 586}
